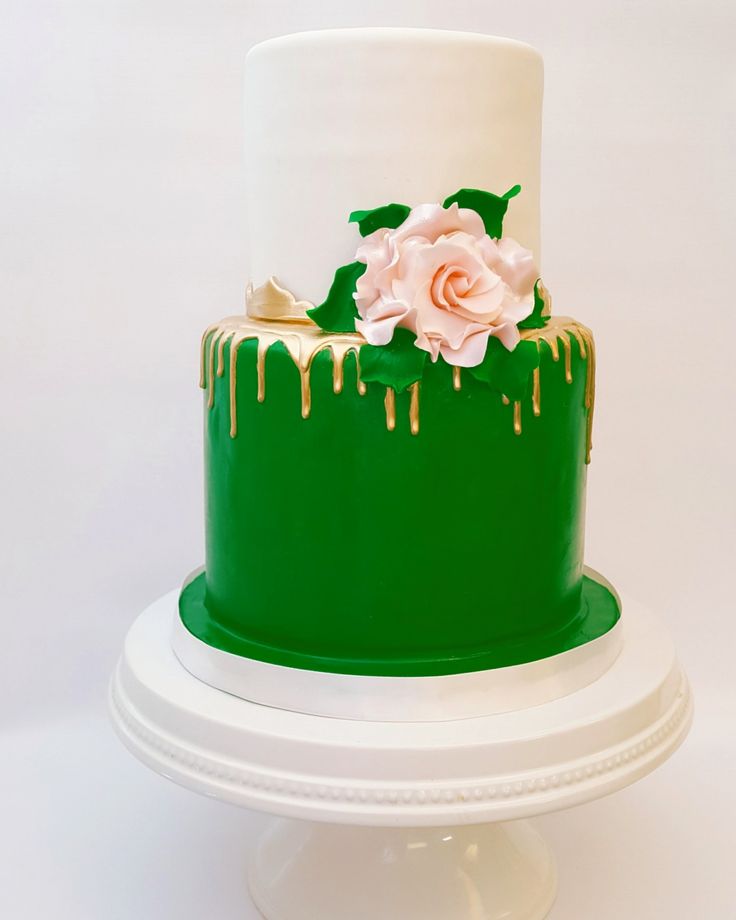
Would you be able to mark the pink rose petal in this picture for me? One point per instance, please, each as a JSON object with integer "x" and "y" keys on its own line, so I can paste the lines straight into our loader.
{"x": 440, "y": 275}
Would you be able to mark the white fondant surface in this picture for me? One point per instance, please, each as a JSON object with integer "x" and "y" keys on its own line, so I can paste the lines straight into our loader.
{"x": 353, "y": 119}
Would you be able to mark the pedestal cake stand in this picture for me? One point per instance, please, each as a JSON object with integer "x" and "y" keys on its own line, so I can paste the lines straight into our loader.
{"x": 402, "y": 820}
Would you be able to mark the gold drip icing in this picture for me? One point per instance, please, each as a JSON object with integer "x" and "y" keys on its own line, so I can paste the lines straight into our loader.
{"x": 590, "y": 395}
{"x": 390, "y": 404}
{"x": 414, "y": 408}
{"x": 565, "y": 339}
{"x": 517, "y": 417}
{"x": 261, "y": 369}
{"x": 306, "y": 392}
{"x": 221, "y": 353}
{"x": 304, "y": 342}
{"x": 563, "y": 329}
{"x": 211, "y": 397}
{"x": 553, "y": 345}
{"x": 233, "y": 389}
{"x": 579, "y": 338}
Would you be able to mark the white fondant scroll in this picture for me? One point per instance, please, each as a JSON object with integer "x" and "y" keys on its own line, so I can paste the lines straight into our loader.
{"x": 271, "y": 301}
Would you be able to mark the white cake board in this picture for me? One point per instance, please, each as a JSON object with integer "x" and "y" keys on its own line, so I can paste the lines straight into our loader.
{"x": 443, "y": 698}
{"x": 397, "y": 819}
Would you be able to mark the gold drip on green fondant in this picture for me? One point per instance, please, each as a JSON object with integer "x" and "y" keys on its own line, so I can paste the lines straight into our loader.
{"x": 553, "y": 346}
{"x": 338, "y": 375}
{"x": 306, "y": 392}
{"x": 362, "y": 388}
{"x": 211, "y": 395}
{"x": 390, "y": 404}
{"x": 568, "y": 358}
{"x": 414, "y": 408}
{"x": 517, "y": 417}
{"x": 563, "y": 329}
{"x": 303, "y": 342}
{"x": 260, "y": 369}
{"x": 575, "y": 333}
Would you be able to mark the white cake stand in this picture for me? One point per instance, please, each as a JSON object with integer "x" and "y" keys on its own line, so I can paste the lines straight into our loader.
{"x": 402, "y": 820}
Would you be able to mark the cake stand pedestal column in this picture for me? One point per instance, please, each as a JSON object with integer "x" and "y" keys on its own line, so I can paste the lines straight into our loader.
{"x": 303, "y": 869}
{"x": 402, "y": 821}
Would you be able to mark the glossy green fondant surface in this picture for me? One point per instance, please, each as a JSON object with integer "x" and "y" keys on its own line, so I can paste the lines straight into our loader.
{"x": 598, "y": 613}
{"x": 336, "y": 544}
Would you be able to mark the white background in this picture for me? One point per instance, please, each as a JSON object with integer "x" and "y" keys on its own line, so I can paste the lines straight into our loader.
{"x": 122, "y": 225}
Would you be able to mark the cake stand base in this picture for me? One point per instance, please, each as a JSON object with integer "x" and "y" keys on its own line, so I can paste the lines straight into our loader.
{"x": 402, "y": 820}
{"x": 305, "y": 871}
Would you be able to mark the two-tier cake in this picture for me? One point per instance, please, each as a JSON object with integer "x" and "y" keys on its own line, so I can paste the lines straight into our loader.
{"x": 398, "y": 427}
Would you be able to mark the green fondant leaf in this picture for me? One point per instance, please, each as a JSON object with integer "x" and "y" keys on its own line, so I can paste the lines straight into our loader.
{"x": 490, "y": 207}
{"x": 507, "y": 371}
{"x": 512, "y": 192}
{"x": 535, "y": 320}
{"x": 396, "y": 365}
{"x": 338, "y": 312}
{"x": 390, "y": 215}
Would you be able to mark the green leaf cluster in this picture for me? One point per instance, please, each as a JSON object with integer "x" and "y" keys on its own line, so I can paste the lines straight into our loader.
{"x": 491, "y": 208}
{"x": 507, "y": 371}
{"x": 400, "y": 363}
{"x": 338, "y": 312}
{"x": 390, "y": 216}
{"x": 396, "y": 365}
{"x": 535, "y": 320}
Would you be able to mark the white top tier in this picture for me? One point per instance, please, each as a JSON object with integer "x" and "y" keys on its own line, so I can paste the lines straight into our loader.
{"x": 352, "y": 119}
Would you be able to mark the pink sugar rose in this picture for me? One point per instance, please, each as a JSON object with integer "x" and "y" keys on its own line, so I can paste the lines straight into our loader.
{"x": 440, "y": 275}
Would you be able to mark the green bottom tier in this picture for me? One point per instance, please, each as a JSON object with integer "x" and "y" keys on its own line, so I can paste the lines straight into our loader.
{"x": 599, "y": 612}
{"x": 356, "y": 530}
